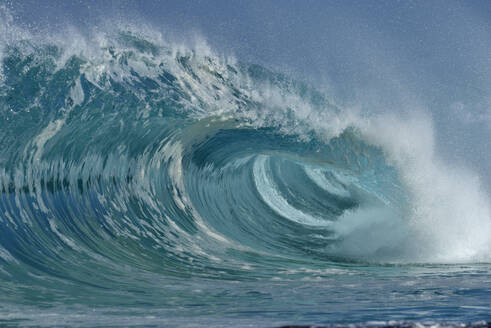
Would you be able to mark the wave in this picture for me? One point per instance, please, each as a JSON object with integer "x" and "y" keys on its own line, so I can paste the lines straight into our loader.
{"x": 127, "y": 149}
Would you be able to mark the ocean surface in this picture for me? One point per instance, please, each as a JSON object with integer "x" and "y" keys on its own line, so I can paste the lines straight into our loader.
{"x": 145, "y": 182}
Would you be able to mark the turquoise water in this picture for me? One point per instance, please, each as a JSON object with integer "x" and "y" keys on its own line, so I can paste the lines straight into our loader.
{"x": 144, "y": 182}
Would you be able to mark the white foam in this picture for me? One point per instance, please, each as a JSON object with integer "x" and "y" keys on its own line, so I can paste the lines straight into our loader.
{"x": 448, "y": 215}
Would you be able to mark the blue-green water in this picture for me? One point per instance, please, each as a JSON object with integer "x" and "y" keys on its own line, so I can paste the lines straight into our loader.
{"x": 144, "y": 182}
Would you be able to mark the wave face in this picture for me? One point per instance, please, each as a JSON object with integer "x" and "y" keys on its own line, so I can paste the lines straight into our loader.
{"x": 132, "y": 167}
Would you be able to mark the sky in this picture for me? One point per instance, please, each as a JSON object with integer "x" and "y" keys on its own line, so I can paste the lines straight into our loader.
{"x": 379, "y": 56}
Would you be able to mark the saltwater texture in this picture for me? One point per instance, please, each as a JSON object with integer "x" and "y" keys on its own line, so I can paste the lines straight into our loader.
{"x": 143, "y": 182}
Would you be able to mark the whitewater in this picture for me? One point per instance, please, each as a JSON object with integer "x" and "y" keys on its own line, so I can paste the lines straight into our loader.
{"x": 148, "y": 182}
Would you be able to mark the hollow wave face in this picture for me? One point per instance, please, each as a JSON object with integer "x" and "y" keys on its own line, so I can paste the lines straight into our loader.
{"x": 127, "y": 150}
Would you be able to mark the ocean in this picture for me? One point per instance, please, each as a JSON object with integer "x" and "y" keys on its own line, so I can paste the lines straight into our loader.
{"x": 146, "y": 182}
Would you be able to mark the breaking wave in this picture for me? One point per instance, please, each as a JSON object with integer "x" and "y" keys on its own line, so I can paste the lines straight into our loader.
{"x": 125, "y": 149}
